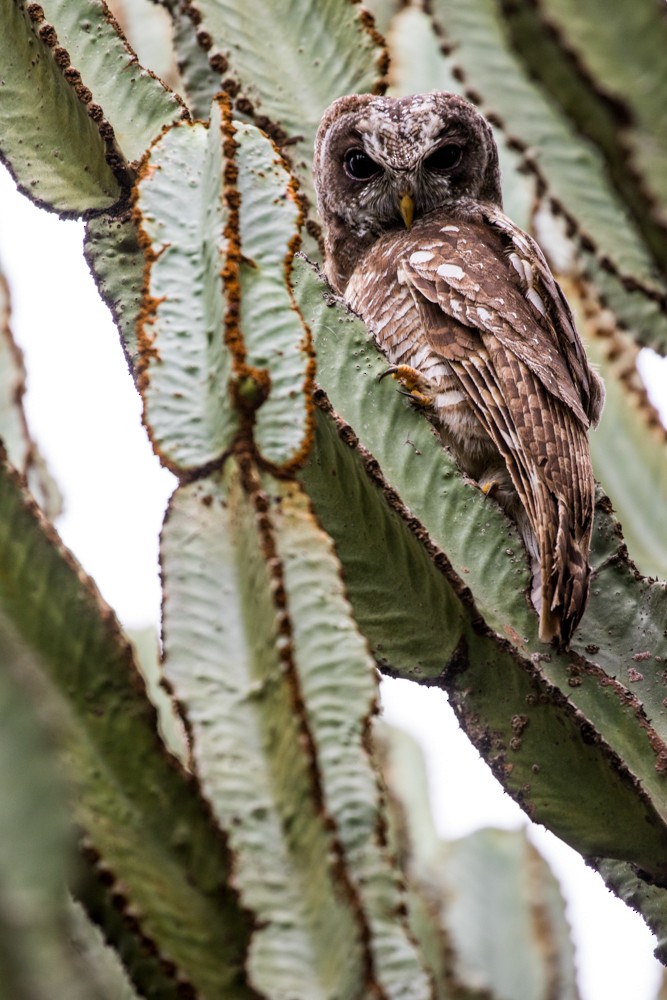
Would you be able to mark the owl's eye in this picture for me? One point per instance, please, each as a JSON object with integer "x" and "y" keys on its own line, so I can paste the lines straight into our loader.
{"x": 445, "y": 157}
{"x": 359, "y": 165}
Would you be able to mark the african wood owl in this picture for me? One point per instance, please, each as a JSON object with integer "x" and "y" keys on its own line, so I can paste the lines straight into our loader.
{"x": 475, "y": 327}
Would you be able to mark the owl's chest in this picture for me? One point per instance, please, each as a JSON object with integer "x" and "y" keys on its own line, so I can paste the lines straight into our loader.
{"x": 395, "y": 323}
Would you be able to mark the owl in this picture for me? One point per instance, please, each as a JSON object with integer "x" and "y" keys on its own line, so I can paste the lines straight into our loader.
{"x": 474, "y": 326}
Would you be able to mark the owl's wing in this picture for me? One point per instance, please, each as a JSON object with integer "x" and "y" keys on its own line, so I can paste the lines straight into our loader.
{"x": 490, "y": 276}
{"x": 489, "y": 306}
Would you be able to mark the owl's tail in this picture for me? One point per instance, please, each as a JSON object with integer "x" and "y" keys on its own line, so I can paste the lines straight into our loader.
{"x": 559, "y": 553}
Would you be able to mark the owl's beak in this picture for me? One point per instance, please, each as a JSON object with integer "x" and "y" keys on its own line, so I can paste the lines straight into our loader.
{"x": 407, "y": 208}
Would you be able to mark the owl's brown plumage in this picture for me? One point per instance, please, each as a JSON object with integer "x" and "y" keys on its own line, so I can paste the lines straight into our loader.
{"x": 450, "y": 288}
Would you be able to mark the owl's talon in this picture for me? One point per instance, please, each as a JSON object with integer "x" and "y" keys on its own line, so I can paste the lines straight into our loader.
{"x": 413, "y": 383}
{"x": 488, "y": 489}
{"x": 420, "y": 399}
{"x": 405, "y": 374}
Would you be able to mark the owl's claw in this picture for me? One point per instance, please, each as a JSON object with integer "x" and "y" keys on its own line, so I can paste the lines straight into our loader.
{"x": 415, "y": 386}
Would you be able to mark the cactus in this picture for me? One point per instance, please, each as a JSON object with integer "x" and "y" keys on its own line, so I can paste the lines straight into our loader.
{"x": 318, "y": 529}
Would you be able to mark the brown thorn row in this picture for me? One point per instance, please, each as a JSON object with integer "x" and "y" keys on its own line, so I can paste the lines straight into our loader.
{"x": 149, "y": 303}
{"x": 113, "y": 153}
{"x": 230, "y": 274}
{"x": 258, "y": 380}
{"x": 618, "y": 348}
{"x": 116, "y": 894}
{"x": 285, "y": 650}
{"x": 368, "y": 23}
{"x": 573, "y": 229}
{"x": 619, "y": 112}
{"x": 231, "y": 234}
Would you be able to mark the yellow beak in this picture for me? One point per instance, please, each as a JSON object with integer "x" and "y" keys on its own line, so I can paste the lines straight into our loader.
{"x": 407, "y": 209}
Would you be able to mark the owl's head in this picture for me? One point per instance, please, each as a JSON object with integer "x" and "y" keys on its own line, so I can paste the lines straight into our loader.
{"x": 380, "y": 161}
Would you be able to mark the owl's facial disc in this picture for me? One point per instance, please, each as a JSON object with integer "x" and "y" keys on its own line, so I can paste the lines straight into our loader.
{"x": 390, "y": 189}
{"x": 382, "y": 163}
{"x": 396, "y": 160}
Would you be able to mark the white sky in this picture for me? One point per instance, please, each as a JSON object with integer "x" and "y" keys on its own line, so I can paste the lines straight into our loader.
{"x": 86, "y": 417}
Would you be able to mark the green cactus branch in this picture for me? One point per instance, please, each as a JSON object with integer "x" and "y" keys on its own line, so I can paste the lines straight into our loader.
{"x": 36, "y": 953}
{"x": 319, "y": 529}
{"x": 597, "y": 78}
{"x": 146, "y": 827}
{"x": 631, "y": 434}
{"x": 58, "y": 157}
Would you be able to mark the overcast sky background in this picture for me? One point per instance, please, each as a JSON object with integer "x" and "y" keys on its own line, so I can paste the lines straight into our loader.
{"x": 86, "y": 417}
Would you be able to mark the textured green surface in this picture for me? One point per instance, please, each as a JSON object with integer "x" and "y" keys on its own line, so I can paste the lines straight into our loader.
{"x": 51, "y": 145}
{"x": 496, "y": 910}
{"x": 391, "y": 580}
{"x": 535, "y": 743}
{"x": 186, "y": 366}
{"x": 225, "y": 648}
{"x": 292, "y": 59}
{"x": 137, "y": 809}
{"x": 500, "y": 891}
{"x": 200, "y": 82}
{"x": 147, "y": 27}
{"x": 273, "y": 332}
{"x": 644, "y": 317}
{"x": 36, "y": 955}
{"x": 417, "y": 64}
{"x": 136, "y": 103}
{"x": 630, "y": 460}
{"x": 602, "y": 73}
{"x": 182, "y": 207}
{"x": 622, "y": 51}
{"x": 393, "y": 585}
{"x": 117, "y": 262}
{"x": 256, "y": 617}
{"x": 481, "y": 894}
{"x": 339, "y": 689}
